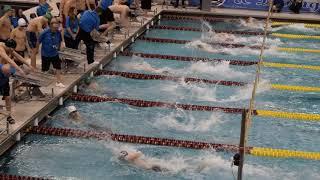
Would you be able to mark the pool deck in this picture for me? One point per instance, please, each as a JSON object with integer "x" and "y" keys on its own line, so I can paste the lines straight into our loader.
{"x": 28, "y": 113}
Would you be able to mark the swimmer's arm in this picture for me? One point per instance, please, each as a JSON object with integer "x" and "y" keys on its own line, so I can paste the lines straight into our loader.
{"x": 134, "y": 156}
{"x": 5, "y": 57}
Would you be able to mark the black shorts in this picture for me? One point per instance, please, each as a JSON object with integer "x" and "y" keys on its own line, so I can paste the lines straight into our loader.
{"x": 21, "y": 53}
{"x": 47, "y": 61}
{"x": 32, "y": 39}
{"x": 106, "y": 16}
{"x": 3, "y": 40}
{"x": 5, "y": 89}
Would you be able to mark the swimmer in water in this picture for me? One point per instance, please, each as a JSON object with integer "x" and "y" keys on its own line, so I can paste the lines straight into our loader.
{"x": 74, "y": 115}
{"x": 135, "y": 158}
{"x": 219, "y": 37}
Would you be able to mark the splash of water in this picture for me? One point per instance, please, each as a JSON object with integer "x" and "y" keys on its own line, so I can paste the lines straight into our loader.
{"x": 138, "y": 63}
{"x": 208, "y": 35}
{"x": 184, "y": 121}
{"x": 203, "y": 162}
{"x": 219, "y": 70}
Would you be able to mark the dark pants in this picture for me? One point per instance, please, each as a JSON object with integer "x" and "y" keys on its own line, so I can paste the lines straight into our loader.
{"x": 90, "y": 44}
{"x": 177, "y": 3}
{"x": 71, "y": 43}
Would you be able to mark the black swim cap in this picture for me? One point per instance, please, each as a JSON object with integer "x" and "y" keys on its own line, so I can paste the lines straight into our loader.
{"x": 10, "y": 43}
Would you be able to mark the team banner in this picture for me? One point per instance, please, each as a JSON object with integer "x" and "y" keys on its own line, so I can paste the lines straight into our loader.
{"x": 308, "y": 5}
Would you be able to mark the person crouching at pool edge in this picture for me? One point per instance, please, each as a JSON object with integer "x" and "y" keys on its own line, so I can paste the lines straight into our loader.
{"x": 51, "y": 40}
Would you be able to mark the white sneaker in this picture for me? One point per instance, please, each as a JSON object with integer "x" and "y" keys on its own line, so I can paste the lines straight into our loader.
{"x": 96, "y": 62}
{"x": 60, "y": 85}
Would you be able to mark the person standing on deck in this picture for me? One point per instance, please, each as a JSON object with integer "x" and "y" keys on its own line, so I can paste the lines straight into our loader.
{"x": 51, "y": 40}
{"x": 19, "y": 35}
{"x": 89, "y": 22}
{"x": 43, "y": 8}
{"x": 71, "y": 30}
{"x": 5, "y": 24}
{"x": 34, "y": 28}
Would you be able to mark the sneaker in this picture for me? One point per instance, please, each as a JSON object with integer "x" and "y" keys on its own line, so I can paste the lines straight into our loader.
{"x": 60, "y": 85}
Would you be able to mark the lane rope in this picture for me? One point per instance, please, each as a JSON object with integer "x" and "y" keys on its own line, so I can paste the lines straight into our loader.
{"x": 188, "y": 58}
{"x": 179, "y": 28}
{"x": 231, "y": 62}
{"x": 17, "y": 177}
{"x": 132, "y": 138}
{"x": 176, "y": 41}
{"x": 197, "y": 80}
{"x": 279, "y": 35}
{"x": 255, "y": 151}
{"x": 191, "y": 107}
{"x": 169, "y": 78}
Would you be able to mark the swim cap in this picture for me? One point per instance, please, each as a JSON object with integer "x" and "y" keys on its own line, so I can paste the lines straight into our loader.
{"x": 22, "y": 22}
{"x": 48, "y": 16}
{"x": 123, "y": 154}
{"x": 71, "y": 109}
{"x": 10, "y": 43}
{"x": 7, "y": 8}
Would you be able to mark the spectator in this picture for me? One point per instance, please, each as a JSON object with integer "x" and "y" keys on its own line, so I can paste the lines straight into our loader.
{"x": 51, "y": 40}
{"x": 277, "y": 5}
{"x": 19, "y": 35}
{"x": 34, "y": 28}
{"x": 21, "y": 15}
{"x": 89, "y": 22}
{"x": 5, "y": 72}
{"x": 14, "y": 19}
{"x": 106, "y": 16}
{"x": 5, "y": 24}
{"x": 119, "y": 7}
{"x": 43, "y": 8}
{"x": 7, "y": 52}
{"x": 177, "y": 3}
{"x": 71, "y": 30}
{"x": 295, "y": 6}
{"x": 146, "y": 5}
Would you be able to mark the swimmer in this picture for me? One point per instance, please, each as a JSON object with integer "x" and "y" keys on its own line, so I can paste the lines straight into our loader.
{"x": 135, "y": 158}
{"x": 74, "y": 115}
{"x": 219, "y": 37}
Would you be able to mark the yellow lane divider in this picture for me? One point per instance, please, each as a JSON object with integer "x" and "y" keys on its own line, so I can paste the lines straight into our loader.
{"x": 295, "y": 36}
{"x": 298, "y": 50}
{"x": 290, "y": 23}
{"x": 296, "y": 66}
{"x": 288, "y": 115}
{"x": 283, "y": 153}
{"x": 295, "y": 88}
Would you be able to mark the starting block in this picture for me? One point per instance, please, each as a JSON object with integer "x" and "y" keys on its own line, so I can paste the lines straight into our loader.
{"x": 71, "y": 58}
{"x": 32, "y": 81}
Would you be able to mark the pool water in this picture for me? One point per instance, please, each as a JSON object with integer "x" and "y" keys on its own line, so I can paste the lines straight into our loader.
{"x": 76, "y": 158}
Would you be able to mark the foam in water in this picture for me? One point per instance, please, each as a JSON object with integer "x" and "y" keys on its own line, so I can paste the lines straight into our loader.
{"x": 184, "y": 121}
{"x": 209, "y": 36}
{"x": 220, "y": 70}
{"x": 138, "y": 63}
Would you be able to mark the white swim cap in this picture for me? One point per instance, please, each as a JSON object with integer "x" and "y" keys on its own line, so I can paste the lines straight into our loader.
{"x": 71, "y": 109}
{"x": 22, "y": 22}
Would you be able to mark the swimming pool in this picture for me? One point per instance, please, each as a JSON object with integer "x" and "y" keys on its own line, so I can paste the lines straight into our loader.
{"x": 76, "y": 158}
